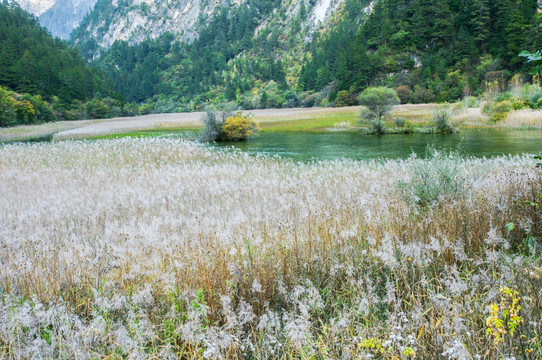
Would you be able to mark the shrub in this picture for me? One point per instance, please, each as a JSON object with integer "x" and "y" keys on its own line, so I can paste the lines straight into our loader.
{"x": 8, "y": 116}
{"x": 404, "y": 93}
{"x": 399, "y": 122}
{"x": 343, "y": 99}
{"x": 97, "y": 109}
{"x": 405, "y": 125}
{"x": 212, "y": 125}
{"x": 213, "y": 120}
{"x": 68, "y": 115}
{"x": 239, "y": 127}
{"x": 505, "y": 96}
{"x": 311, "y": 100}
{"x": 379, "y": 101}
{"x": 43, "y": 113}
{"x": 441, "y": 177}
{"x": 518, "y": 104}
{"x": 441, "y": 119}
{"x": 422, "y": 96}
{"x": 25, "y": 112}
{"x": 471, "y": 101}
{"x": 146, "y": 109}
{"x": 500, "y": 110}
{"x": 531, "y": 93}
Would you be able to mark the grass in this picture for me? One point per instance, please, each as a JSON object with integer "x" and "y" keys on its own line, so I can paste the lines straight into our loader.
{"x": 318, "y": 124}
{"x": 162, "y": 248}
{"x": 418, "y": 115}
{"x": 181, "y": 131}
{"x": 523, "y": 119}
{"x": 36, "y": 132}
{"x": 283, "y": 120}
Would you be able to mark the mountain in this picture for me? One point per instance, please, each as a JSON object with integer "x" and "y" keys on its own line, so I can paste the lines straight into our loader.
{"x": 134, "y": 21}
{"x": 32, "y": 61}
{"x": 39, "y": 73}
{"x": 65, "y": 15}
{"x": 180, "y": 55}
{"x": 60, "y": 17}
{"x": 36, "y": 7}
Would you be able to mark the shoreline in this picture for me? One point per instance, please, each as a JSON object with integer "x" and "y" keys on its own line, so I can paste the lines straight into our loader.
{"x": 303, "y": 120}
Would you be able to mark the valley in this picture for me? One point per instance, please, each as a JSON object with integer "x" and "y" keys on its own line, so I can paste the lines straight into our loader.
{"x": 270, "y": 179}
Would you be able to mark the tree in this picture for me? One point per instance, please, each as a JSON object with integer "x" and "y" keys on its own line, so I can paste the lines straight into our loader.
{"x": 343, "y": 99}
{"x": 379, "y": 101}
{"x": 8, "y": 107}
{"x": 534, "y": 58}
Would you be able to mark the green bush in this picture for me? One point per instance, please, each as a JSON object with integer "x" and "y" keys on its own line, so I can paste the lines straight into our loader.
{"x": 440, "y": 177}
{"x": 69, "y": 115}
{"x": 405, "y": 126}
{"x": 379, "y": 101}
{"x": 213, "y": 120}
{"x": 471, "y": 101}
{"x": 145, "y": 109}
{"x": 531, "y": 93}
{"x": 500, "y": 110}
{"x": 399, "y": 122}
{"x": 505, "y": 96}
{"x": 42, "y": 111}
{"x": 518, "y": 104}
{"x": 97, "y": 109}
{"x": 441, "y": 120}
{"x": 8, "y": 108}
{"x": 25, "y": 112}
{"x": 343, "y": 99}
{"x": 404, "y": 93}
{"x": 422, "y": 96}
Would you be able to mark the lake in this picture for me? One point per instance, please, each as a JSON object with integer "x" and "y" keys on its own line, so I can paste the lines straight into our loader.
{"x": 336, "y": 145}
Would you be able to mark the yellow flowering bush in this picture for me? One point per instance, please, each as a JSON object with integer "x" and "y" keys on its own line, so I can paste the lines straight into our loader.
{"x": 239, "y": 127}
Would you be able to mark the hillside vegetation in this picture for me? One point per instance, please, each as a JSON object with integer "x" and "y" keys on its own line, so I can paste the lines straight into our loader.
{"x": 44, "y": 79}
{"x": 265, "y": 54}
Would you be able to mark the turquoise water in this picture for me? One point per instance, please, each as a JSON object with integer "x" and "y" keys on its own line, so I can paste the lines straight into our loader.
{"x": 328, "y": 146}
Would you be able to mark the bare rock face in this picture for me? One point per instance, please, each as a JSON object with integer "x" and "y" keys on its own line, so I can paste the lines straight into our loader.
{"x": 136, "y": 20}
{"x": 60, "y": 17}
{"x": 65, "y": 15}
{"x": 36, "y": 7}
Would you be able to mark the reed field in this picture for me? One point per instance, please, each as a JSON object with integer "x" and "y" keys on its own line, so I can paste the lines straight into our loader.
{"x": 156, "y": 248}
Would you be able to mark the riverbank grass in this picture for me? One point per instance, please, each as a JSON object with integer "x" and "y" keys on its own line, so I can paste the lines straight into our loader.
{"x": 162, "y": 248}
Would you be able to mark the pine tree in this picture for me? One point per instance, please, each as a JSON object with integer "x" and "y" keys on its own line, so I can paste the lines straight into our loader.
{"x": 480, "y": 23}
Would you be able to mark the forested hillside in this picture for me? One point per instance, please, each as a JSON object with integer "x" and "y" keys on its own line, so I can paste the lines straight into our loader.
{"x": 435, "y": 50}
{"x": 266, "y": 53}
{"x": 42, "y": 78}
{"x": 32, "y": 61}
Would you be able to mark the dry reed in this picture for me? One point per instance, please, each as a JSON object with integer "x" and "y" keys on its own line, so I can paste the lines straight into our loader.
{"x": 161, "y": 248}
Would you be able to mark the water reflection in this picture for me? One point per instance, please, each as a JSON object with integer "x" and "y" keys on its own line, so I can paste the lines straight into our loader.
{"x": 307, "y": 146}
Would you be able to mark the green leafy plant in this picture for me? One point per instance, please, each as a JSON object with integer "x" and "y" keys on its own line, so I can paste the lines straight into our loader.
{"x": 503, "y": 325}
{"x": 441, "y": 177}
{"x": 441, "y": 120}
{"x": 379, "y": 101}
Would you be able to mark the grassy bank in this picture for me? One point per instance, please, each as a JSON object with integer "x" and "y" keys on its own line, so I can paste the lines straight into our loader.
{"x": 159, "y": 248}
{"x": 279, "y": 120}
